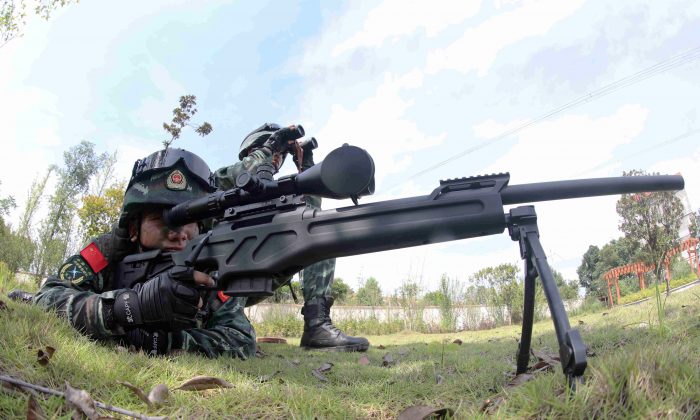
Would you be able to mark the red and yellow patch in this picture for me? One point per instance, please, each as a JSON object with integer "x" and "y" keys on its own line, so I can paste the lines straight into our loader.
{"x": 94, "y": 257}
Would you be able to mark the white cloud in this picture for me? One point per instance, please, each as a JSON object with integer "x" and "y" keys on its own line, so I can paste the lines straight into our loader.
{"x": 379, "y": 126}
{"x": 689, "y": 167}
{"x": 393, "y": 19}
{"x": 478, "y": 47}
{"x": 568, "y": 144}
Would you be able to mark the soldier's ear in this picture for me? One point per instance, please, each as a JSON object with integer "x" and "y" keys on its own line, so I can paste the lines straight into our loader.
{"x": 133, "y": 230}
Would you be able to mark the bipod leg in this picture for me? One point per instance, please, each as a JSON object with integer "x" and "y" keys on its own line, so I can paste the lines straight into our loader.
{"x": 528, "y": 318}
{"x": 522, "y": 226}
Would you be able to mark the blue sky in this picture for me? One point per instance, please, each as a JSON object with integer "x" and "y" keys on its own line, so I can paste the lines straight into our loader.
{"x": 415, "y": 83}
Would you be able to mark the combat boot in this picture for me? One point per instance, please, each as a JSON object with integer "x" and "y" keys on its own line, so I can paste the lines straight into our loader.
{"x": 321, "y": 334}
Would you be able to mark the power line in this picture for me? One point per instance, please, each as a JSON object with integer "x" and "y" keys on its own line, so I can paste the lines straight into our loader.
{"x": 658, "y": 68}
{"x": 641, "y": 151}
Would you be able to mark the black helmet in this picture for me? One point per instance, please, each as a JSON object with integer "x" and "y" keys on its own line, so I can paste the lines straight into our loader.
{"x": 166, "y": 178}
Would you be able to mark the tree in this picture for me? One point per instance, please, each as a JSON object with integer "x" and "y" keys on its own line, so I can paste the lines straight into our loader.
{"x": 567, "y": 289}
{"x": 36, "y": 192}
{"x": 597, "y": 261}
{"x": 6, "y": 204}
{"x": 370, "y": 294}
{"x": 13, "y": 15}
{"x": 340, "y": 291}
{"x": 652, "y": 220}
{"x": 449, "y": 293}
{"x": 181, "y": 118}
{"x": 502, "y": 291}
{"x": 11, "y": 244}
{"x": 99, "y": 213}
{"x": 80, "y": 163}
{"x": 588, "y": 274}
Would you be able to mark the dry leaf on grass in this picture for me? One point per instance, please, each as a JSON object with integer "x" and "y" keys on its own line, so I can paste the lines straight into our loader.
{"x": 159, "y": 394}
{"x": 491, "y": 404}
{"x": 387, "y": 360}
{"x": 34, "y": 410}
{"x": 545, "y": 360}
{"x": 44, "y": 355}
{"x": 419, "y": 412}
{"x": 364, "y": 360}
{"x": 319, "y": 375}
{"x": 380, "y": 347}
{"x": 325, "y": 367}
{"x": 266, "y": 378}
{"x": 273, "y": 340}
{"x": 200, "y": 383}
{"x": 80, "y": 401}
{"x": 457, "y": 341}
{"x": 3, "y": 305}
{"x": 519, "y": 380}
{"x": 136, "y": 390}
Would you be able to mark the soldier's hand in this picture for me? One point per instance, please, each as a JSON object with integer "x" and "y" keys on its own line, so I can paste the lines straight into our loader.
{"x": 168, "y": 301}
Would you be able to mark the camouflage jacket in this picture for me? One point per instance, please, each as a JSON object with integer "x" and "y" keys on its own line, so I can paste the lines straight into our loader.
{"x": 85, "y": 283}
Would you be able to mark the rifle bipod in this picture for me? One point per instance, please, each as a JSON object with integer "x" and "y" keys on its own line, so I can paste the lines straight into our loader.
{"x": 522, "y": 227}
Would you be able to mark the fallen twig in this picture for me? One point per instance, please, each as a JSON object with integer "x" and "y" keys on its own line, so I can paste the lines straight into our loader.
{"x": 21, "y": 383}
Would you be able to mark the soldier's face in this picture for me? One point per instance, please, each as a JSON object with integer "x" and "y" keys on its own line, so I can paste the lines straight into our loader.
{"x": 155, "y": 234}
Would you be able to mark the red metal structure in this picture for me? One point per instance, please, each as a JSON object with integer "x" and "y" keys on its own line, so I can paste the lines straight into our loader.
{"x": 689, "y": 245}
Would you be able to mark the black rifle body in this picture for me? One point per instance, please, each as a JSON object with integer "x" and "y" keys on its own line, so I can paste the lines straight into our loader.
{"x": 278, "y": 238}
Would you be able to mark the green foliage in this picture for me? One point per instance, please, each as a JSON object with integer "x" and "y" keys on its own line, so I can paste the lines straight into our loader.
{"x": 36, "y": 192}
{"x": 370, "y": 294}
{"x": 340, "y": 291}
{"x": 449, "y": 294}
{"x": 56, "y": 232}
{"x": 651, "y": 220}
{"x": 650, "y": 291}
{"x": 284, "y": 295}
{"x": 16, "y": 250}
{"x": 181, "y": 118}
{"x": 408, "y": 297}
{"x": 6, "y": 204}
{"x": 99, "y": 213}
{"x": 568, "y": 289}
{"x": 501, "y": 289}
{"x": 680, "y": 267}
{"x": 597, "y": 261}
{"x": 13, "y": 15}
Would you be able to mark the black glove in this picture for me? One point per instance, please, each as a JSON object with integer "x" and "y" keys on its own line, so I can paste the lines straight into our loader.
{"x": 284, "y": 140}
{"x": 307, "y": 160}
{"x": 153, "y": 342}
{"x": 163, "y": 302}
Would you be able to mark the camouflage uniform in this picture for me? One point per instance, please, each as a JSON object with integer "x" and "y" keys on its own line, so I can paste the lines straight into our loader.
{"x": 85, "y": 284}
{"x": 317, "y": 279}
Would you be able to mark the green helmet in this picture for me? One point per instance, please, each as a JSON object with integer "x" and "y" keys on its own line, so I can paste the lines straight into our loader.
{"x": 256, "y": 138}
{"x": 165, "y": 178}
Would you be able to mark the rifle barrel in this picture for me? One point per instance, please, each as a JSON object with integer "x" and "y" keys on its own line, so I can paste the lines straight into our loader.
{"x": 577, "y": 188}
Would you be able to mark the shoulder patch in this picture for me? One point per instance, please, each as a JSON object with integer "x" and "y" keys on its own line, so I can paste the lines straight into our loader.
{"x": 93, "y": 256}
{"x": 75, "y": 270}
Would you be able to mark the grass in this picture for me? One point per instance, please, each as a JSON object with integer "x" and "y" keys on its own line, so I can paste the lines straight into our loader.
{"x": 651, "y": 290}
{"x": 636, "y": 371}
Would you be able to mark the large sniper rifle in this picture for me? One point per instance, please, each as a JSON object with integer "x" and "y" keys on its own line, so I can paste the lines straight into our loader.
{"x": 265, "y": 232}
